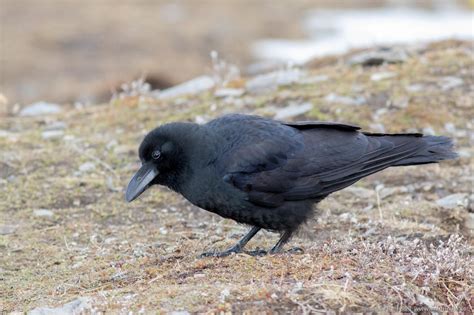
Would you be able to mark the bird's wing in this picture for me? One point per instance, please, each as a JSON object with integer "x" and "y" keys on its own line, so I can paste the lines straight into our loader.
{"x": 303, "y": 125}
{"x": 273, "y": 162}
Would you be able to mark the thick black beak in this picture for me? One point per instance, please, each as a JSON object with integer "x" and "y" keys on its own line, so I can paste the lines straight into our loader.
{"x": 141, "y": 181}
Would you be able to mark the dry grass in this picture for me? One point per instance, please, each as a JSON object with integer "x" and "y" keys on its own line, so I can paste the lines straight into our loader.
{"x": 391, "y": 249}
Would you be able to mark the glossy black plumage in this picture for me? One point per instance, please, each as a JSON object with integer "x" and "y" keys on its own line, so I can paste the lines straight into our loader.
{"x": 268, "y": 174}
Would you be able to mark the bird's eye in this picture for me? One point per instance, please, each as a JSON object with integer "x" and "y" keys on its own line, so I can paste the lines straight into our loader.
{"x": 156, "y": 155}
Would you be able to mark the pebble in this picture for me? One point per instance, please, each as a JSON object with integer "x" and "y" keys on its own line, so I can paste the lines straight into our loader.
{"x": 293, "y": 110}
{"x": 379, "y": 76}
{"x": 87, "y": 167}
{"x": 452, "y": 201}
{"x": 272, "y": 80}
{"x": 45, "y": 213}
{"x": 346, "y": 100}
{"x": 194, "y": 86}
{"x": 56, "y": 125}
{"x": 448, "y": 83}
{"x": 225, "y": 92}
{"x": 52, "y": 134}
{"x": 77, "y": 306}
{"x": 40, "y": 108}
{"x": 7, "y": 229}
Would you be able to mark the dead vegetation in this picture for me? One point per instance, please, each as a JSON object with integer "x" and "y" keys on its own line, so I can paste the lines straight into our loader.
{"x": 386, "y": 244}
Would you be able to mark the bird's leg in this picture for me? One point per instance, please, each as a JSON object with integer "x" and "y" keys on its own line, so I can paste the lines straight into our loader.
{"x": 281, "y": 242}
{"x": 237, "y": 248}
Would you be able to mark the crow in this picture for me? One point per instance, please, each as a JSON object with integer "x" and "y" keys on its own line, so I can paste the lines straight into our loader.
{"x": 268, "y": 174}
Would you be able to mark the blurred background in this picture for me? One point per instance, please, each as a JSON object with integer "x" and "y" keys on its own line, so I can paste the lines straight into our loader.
{"x": 80, "y": 51}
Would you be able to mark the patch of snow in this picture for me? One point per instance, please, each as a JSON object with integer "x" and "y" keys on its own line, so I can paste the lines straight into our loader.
{"x": 337, "y": 31}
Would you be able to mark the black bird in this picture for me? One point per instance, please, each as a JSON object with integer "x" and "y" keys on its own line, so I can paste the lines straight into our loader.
{"x": 267, "y": 173}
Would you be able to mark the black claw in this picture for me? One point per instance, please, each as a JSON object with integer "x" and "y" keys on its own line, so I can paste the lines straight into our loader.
{"x": 295, "y": 250}
{"x": 256, "y": 253}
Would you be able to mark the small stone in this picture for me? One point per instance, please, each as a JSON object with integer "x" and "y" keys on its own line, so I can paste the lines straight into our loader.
{"x": 293, "y": 110}
{"x": 448, "y": 83}
{"x": 415, "y": 87}
{"x": 449, "y": 127}
{"x": 45, "y": 213}
{"x": 228, "y": 92}
{"x": 379, "y": 76}
{"x": 7, "y": 229}
{"x": 452, "y": 201}
{"x": 40, "y": 108}
{"x": 77, "y": 306}
{"x": 194, "y": 86}
{"x": 346, "y": 100}
{"x": 201, "y": 119}
{"x": 377, "y": 127}
{"x": 180, "y": 313}
{"x": 52, "y": 134}
{"x": 87, "y": 167}
{"x": 429, "y": 131}
{"x": 272, "y": 80}
{"x": 57, "y": 125}
{"x": 264, "y": 66}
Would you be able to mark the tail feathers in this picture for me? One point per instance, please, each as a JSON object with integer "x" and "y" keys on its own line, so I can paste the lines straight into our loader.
{"x": 436, "y": 149}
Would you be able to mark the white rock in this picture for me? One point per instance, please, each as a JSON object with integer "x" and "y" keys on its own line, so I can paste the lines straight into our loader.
{"x": 87, "y": 167}
{"x": 452, "y": 201}
{"x": 293, "y": 110}
{"x": 379, "y": 76}
{"x": 52, "y": 134}
{"x": 346, "y": 100}
{"x": 229, "y": 92}
{"x": 45, "y": 213}
{"x": 77, "y": 306}
{"x": 7, "y": 229}
{"x": 40, "y": 108}
{"x": 57, "y": 125}
{"x": 201, "y": 119}
{"x": 448, "y": 83}
{"x": 429, "y": 131}
{"x": 194, "y": 86}
{"x": 417, "y": 87}
{"x": 272, "y": 80}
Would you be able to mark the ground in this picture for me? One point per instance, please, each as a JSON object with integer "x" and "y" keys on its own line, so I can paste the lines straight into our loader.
{"x": 387, "y": 243}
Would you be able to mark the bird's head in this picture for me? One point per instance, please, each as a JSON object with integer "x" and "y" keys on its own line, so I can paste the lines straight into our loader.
{"x": 163, "y": 160}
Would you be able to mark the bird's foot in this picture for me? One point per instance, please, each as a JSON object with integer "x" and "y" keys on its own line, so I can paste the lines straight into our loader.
{"x": 256, "y": 253}
{"x": 230, "y": 251}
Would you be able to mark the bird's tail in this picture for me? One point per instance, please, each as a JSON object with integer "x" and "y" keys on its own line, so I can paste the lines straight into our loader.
{"x": 435, "y": 149}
